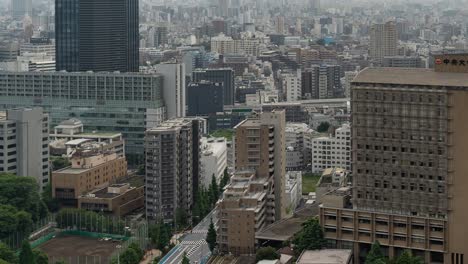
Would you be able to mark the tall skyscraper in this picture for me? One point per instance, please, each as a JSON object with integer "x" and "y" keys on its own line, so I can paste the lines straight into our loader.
{"x": 279, "y": 24}
{"x": 20, "y": 8}
{"x": 25, "y": 143}
{"x": 409, "y": 152}
{"x": 383, "y": 41}
{"x": 172, "y": 167}
{"x": 97, "y": 35}
{"x": 224, "y": 76}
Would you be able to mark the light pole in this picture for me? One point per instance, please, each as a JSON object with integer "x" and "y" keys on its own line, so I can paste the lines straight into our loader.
{"x": 118, "y": 253}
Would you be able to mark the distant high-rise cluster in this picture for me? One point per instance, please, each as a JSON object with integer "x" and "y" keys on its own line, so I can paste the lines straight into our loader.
{"x": 383, "y": 41}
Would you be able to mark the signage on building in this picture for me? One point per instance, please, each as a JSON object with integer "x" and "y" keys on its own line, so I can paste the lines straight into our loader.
{"x": 451, "y": 63}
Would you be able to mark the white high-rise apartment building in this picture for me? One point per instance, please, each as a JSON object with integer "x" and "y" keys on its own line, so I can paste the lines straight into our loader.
{"x": 293, "y": 86}
{"x": 173, "y": 88}
{"x": 383, "y": 41}
{"x": 332, "y": 151}
{"x": 24, "y": 143}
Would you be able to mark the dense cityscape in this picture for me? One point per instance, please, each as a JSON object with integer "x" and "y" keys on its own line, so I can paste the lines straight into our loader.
{"x": 233, "y": 131}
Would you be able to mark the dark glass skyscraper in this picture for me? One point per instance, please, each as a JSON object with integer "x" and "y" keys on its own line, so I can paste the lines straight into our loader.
{"x": 97, "y": 35}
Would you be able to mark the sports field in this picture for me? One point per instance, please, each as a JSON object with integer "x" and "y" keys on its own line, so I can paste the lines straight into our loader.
{"x": 79, "y": 250}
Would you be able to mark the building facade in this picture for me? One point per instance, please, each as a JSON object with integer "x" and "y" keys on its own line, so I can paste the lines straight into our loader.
{"x": 173, "y": 88}
{"x": 24, "y": 143}
{"x": 259, "y": 145}
{"x": 383, "y": 41}
{"x": 332, "y": 151}
{"x": 90, "y": 168}
{"x": 97, "y": 35}
{"x": 21, "y": 8}
{"x": 205, "y": 98}
{"x": 126, "y": 103}
{"x": 409, "y": 163}
{"x": 172, "y": 168}
{"x": 224, "y": 76}
{"x": 213, "y": 160}
{"x": 322, "y": 82}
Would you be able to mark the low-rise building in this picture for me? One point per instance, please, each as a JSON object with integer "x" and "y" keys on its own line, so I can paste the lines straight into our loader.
{"x": 332, "y": 151}
{"x": 117, "y": 199}
{"x": 242, "y": 211}
{"x": 328, "y": 256}
{"x": 213, "y": 160}
{"x": 91, "y": 167}
{"x": 297, "y": 153}
{"x": 331, "y": 179}
{"x": 70, "y": 134}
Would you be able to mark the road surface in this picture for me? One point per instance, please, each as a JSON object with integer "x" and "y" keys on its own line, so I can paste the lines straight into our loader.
{"x": 193, "y": 244}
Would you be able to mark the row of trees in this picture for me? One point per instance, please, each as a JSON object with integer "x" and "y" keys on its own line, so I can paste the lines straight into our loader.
{"x": 206, "y": 199}
{"x": 27, "y": 255}
{"x": 376, "y": 256}
{"x": 160, "y": 235}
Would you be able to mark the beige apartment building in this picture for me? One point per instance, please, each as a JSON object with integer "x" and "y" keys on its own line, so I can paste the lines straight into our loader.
{"x": 242, "y": 211}
{"x": 409, "y": 152}
{"x": 255, "y": 196}
{"x": 90, "y": 168}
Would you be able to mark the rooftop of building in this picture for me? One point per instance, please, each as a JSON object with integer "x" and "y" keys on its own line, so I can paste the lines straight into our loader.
{"x": 325, "y": 256}
{"x": 411, "y": 76}
{"x": 213, "y": 146}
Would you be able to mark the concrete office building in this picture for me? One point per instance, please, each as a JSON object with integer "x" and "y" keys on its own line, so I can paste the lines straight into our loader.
{"x": 172, "y": 168}
{"x": 9, "y": 51}
{"x": 409, "y": 163}
{"x": 173, "y": 88}
{"x": 332, "y": 151}
{"x": 403, "y": 62}
{"x": 117, "y": 199}
{"x": 383, "y": 41}
{"x": 160, "y": 36}
{"x": 349, "y": 76}
{"x": 48, "y": 48}
{"x": 30, "y": 62}
{"x": 91, "y": 167}
{"x": 125, "y": 102}
{"x": 224, "y": 76}
{"x": 242, "y": 211}
{"x": 213, "y": 160}
{"x": 205, "y": 98}
{"x": 21, "y": 8}
{"x": 295, "y": 112}
{"x": 97, "y": 35}
{"x": 322, "y": 82}
{"x": 24, "y": 143}
{"x": 260, "y": 145}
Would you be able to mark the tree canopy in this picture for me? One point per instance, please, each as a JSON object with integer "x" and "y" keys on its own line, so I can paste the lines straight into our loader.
{"x": 323, "y": 127}
{"x": 26, "y": 254}
{"x": 375, "y": 255}
{"x": 268, "y": 253}
{"x": 160, "y": 235}
{"x": 7, "y": 254}
{"x": 211, "y": 236}
{"x": 310, "y": 237}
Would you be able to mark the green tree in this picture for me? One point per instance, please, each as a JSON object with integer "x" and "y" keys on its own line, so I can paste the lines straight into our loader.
{"x": 181, "y": 218}
{"x": 7, "y": 254}
{"x": 214, "y": 188}
{"x": 40, "y": 257}
{"x": 323, "y": 127}
{"x": 268, "y": 253}
{"x": 185, "y": 259}
{"x": 60, "y": 262}
{"x": 26, "y": 254}
{"x": 310, "y": 237}
{"x": 51, "y": 203}
{"x": 211, "y": 236}
{"x": 407, "y": 258}
{"x": 224, "y": 180}
{"x": 137, "y": 249}
{"x": 129, "y": 256}
{"x": 60, "y": 163}
{"x": 24, "y": 222}
{"x": 4, "y": 262}
{"x": 160, "y": 235}
{"x": 375, "y": 254}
